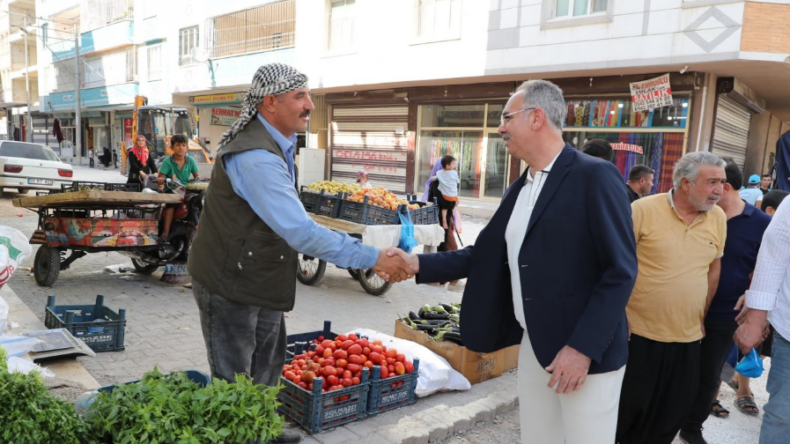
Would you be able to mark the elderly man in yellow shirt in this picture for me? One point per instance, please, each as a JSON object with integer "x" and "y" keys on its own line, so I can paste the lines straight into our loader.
{"x": 680, "y": 239}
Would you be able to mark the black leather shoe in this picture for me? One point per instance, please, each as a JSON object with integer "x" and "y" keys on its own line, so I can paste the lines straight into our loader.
{"x": 692, "y": 437}
{"x": 288, "y": 436}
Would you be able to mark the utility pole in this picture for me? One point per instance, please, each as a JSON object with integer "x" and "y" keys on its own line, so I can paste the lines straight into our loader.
{"x": 27, "y": 86}
{"x": 77, "y": 101}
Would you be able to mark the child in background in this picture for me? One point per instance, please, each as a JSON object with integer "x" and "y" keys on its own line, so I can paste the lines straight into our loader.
{"x": 448, "y": 187}
{"x": 362, "y": 180}
{"x": 179, "y": 167}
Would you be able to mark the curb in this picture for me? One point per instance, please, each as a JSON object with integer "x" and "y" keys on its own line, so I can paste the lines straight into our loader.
{"x": 432, "y": 419}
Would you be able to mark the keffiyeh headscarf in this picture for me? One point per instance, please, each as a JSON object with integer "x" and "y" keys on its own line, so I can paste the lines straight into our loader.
{"x": 274, "y": 78}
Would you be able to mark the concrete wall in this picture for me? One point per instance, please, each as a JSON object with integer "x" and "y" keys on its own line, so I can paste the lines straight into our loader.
{"x": 524, "y": 38}
{"x": 388, "y": 49}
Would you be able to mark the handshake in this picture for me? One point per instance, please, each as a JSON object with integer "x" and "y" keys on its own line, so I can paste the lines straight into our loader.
{"x": 395, "y": 265}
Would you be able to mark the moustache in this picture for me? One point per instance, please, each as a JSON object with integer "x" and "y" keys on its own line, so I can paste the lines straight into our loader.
{"x": 304, "y": 114}
{"x": 506, "y": 137}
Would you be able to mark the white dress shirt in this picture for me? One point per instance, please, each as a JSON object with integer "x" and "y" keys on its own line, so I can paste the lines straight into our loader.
{"x": 770, "y": 289}
{"x": 517, "y": 230}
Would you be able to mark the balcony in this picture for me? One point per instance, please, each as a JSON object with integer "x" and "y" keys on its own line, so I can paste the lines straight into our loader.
{"x": 264, "y": 28}
{"x": 94, "y": 97}
{"x": 109, "y": 37}
{"x": 95, "y": 14}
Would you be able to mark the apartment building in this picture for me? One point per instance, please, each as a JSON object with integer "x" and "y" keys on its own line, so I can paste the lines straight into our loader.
{"x": 433, "y": 77}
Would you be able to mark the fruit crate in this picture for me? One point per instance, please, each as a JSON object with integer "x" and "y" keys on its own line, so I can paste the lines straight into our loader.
{"x": 392, "y": 393}
{"x": 300, "y": 342}
{"x": 321, "y": 203}
{"x": 97, "y": 326}
{"x": 427, "y": 214}
{"x": 315, "y": 411}
{"x": 367, "y": 214}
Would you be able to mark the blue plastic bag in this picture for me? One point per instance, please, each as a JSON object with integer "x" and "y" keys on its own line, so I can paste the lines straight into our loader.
{"x": 407, "y": 240}
{"x": 751, "y": 365}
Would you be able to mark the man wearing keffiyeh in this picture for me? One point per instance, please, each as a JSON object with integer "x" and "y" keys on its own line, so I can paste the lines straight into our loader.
{"x": 244, "y": 258}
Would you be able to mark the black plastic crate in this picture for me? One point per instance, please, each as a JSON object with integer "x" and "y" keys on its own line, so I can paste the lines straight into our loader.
{"x": 97, "y": 326}
{"x": 83, "y": 186}
{"x": 392, "y": 393}
{"x": 315, "y": 411}
{"x": 367, "y": 214}
{"x": 321, "y": 203}
{"x": 128, "y": 187}
{"x": 300, "y": 342}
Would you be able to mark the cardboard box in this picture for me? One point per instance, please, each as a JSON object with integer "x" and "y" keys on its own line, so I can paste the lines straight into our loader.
{"x": 476, "y": 367}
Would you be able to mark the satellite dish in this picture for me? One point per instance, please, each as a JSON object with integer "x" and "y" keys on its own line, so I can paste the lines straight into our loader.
{"x": 199, "y": 54}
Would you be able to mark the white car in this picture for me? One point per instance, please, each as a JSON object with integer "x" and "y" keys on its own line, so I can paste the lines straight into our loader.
{"x": 25, "y": 166}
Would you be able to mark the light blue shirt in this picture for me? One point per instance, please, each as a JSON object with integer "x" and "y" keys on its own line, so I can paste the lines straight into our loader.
{"x": 448, "y": 182}
{"x": 267, "y": 184}
{"x": 751, "y": 195}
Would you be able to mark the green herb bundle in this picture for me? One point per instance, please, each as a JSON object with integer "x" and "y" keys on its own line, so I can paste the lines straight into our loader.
{"x": 29, "y": 414}
{"x": 173, "y": 409}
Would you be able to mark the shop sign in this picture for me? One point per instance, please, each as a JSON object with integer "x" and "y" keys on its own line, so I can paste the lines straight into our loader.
{"x": 224, "y": 116}
{"x": 628, "y": 147}
{"x": 217, "y": 98}
{"x": 650, "y": 94}
{"x": 127, "y": 124}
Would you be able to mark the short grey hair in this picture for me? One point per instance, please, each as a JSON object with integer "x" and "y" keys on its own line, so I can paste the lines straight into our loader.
{"x": 688, "y": 166}
{"x": 546, "y": 96}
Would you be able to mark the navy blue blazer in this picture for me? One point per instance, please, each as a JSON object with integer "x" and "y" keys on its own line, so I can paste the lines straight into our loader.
{"x": 577, "y": 264}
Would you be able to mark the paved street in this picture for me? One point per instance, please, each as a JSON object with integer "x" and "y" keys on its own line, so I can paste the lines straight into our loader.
{"x": 163, "y": 328}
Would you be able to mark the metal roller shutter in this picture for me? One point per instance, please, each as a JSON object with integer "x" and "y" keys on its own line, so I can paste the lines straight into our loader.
{"x": 42, "y": 131}
{"x": 373, "y": 139}
{"x": 731, "y": 134}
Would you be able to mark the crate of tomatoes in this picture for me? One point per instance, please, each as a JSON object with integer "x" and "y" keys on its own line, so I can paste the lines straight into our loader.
{"x": 322, "y": 389}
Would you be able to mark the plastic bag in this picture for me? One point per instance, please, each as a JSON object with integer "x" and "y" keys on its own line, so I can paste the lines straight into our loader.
{"x": 18, "y": 345}
{"x": 19, "y": 365}
{"x": 3, "y": 316}
{"x": 14, "y": 249}
{"x": 407, "y": 240}
{"x": 435, "y": 372}
{"x": 751, "y": 365}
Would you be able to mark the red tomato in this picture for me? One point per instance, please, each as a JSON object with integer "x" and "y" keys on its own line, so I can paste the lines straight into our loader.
{"x": 355, "y": 350}
{"x": 366, "y": 351}
{"x": 341, "y": 363}
{"x": 347, "y": 382}
{"x": 347, "y": 374}
{"x": 310, "y": 386}
{"x": 319, "y": 350}
{"x": 328, "y": 353}
{"x": 375, "y": 357}
{"x": 368, "y": 364}
{"x": 329, "y": 371}
{"x": 353, "y": 368}
{"x": 384, "y": 372}
{"x": 342, "y": 338}
{"x": 357, "y": 375}
{"x": 298, "y": 379}
{"x": 346, "y": 344}
{"x": 326, "y": 344}
{"x": 354, "y": 359}
{"x": 399, "y": 368}
{"x": 308, "y": 377}
{"x": 328, "y": 361}
{"x": 333, "y": 380}
{"x": 363, "y": 343}
{"x": 340, "y": 354}
{"x": 391, "y": 368}
{"x": 378, "y": 342}
{"x": 289, "y": 375}
{"x": 391, "y": 361}
{"x": 320, "y": 339}
{"x": 409, "y": 366}
{"x": 378, "y": 349}
{"x": 392, "y": 353}
{"x": 303, "y": 385}
{"x": 400, "y": 357}
{"x": 355, "y": 380}
{"x": 353, "y": 337}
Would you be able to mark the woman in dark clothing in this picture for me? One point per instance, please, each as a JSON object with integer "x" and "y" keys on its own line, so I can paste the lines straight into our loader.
{"x": 141, "y": 164}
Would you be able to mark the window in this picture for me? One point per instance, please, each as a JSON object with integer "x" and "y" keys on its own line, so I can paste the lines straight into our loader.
{"x": 263, "y": 28}
{"x": 440, "y": 18}
{"x": 155, "y": 62}
{"x": 187, "y": 41}
{"x": 576, "y": 8}
{"x": 341, "y": 24}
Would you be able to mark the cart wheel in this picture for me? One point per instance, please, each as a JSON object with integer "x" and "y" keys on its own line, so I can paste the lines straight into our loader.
{"x": 144, "y": 267}
{"x": 372, "y": 283}
{"x": 46, "y": 265}
{"x": 311, "y": 270}
{"x": 353, "y": 273}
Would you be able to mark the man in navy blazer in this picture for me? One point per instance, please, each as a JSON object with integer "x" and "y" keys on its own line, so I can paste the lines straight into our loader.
{"x": 562, "y": 241}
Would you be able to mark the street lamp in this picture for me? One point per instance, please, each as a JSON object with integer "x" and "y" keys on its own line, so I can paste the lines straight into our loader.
{"x": 29, "y": 135}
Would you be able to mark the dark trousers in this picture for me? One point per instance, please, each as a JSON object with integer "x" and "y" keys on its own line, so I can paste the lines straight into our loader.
{"x": 713, "y": 352}
{"x": 241, "y": 339}
{"x": 660, "y": 384}
{"x": 91, "y": 162}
